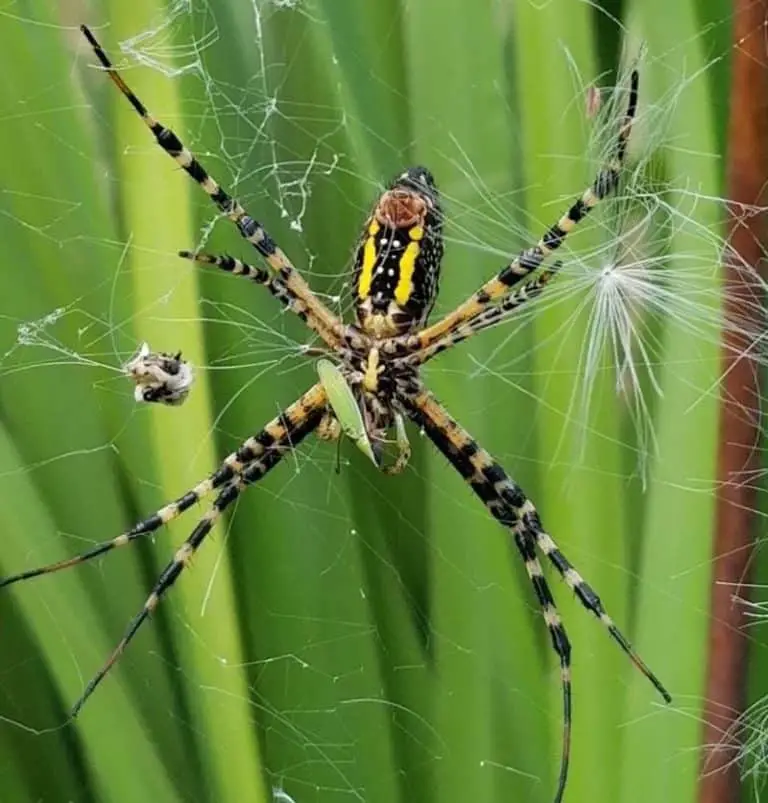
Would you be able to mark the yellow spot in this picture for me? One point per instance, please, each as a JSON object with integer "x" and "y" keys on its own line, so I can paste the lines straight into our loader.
{"x": 407, "y": 266}
{"x": 495, "y": 289}
{"x": 369, "y": 260}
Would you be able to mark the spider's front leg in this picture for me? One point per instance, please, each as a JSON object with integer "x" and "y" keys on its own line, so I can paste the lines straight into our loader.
{"x": 531, "y": 259}
{"x": 313, "y": 311}
{"x": 490, "y": 317}
{"x": 276, "y": 286}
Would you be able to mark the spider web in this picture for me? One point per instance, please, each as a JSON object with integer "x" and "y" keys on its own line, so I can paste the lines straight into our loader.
{"x": 349, "y": 630}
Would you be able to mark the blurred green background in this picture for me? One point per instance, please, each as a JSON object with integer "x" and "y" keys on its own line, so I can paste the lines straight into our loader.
{"x": 354, "y": 636}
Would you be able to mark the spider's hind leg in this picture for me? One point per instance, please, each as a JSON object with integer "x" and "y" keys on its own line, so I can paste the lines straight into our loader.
{"x": 585, "y": 593}
{"x": 278, "y": 438}
{"x": 232, "y": 467}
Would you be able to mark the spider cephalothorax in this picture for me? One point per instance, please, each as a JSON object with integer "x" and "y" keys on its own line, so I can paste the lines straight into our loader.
{"x": 374, "y": 383}
{"x": 397, "y": 265}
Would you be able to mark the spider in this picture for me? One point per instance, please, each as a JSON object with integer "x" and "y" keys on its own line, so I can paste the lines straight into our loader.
{"x": 378, "y": 362}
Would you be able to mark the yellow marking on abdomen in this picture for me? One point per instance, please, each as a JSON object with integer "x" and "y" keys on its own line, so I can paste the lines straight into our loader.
{"x": 407, "y": 266}
{"x": 369, "y": 260}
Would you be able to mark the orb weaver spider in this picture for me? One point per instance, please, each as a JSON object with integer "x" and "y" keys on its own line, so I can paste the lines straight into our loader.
{"x": 376, "y": 378}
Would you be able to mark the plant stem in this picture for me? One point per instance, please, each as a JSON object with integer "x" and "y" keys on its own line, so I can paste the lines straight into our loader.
{"x": 739, "y": 432}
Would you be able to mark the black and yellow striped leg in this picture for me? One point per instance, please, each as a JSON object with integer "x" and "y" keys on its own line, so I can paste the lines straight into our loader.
{"x": 250, "y": 229}
{"x": 273, "y": 283}
{"x": 478, "y": 469}
{"x": 529, "y": 260}
{"x": 237, "y": 267}
{"x": 560, "y": 643}
{"x": 584, "y": 592}
{"x": 498, "y": 490}
{"x": 507, "y": 502}
{"x": 232, "y": 465}
{"x": 143, "y": 528}
{"x": 287, "y": 431}
{"x": 491, "y": 316}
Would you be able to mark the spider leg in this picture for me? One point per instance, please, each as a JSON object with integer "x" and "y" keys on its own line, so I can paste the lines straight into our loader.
{"x": 491, "y": 316}
{"x": 507, "y": 503}
{"x": 461, "y": 451}
{"x": 531, "y": 259}
{"x": 231, "y": 467}
{"x": 233, "y": 265}
{"x": 560, "y": 644}
{"x": 326, "y": 323}
{"x": 273, "y": 283}
{"x": 298, "y": 421}
{"x": 584, "y": 592}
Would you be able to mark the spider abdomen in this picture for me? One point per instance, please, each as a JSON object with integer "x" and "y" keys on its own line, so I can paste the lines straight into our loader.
{"x": 397, "y": 264}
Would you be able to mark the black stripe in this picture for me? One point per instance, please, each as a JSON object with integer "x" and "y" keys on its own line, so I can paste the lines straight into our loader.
{"x": 513, "y": 495}
{"x": 494, "y": 473}
{"x": 197, "y": 171}
{"x": 578, "y": 211}
{"x": 542, "y": 589}
{"x": 225, "y": 473}
{"x": 561, "y": 643}
{"x": 529, "y": 260}
{"x": 553, "y": 239}
{"x": 174, "y": 569}
{"x": 267, "y": 245}
{"x": 284, "y": 420}
{"x": 167, "y": 140}
{"x": 154, "y": 522}
{"x": 264, "y": 438}
{"x": 487, "y": 494}
{"x": 222, "y": 199}
{"x": 190, "y": 498}
{"x": 249, "y": 228}
{"x": 224, "y": 499}
{"x": 605, "y": 183}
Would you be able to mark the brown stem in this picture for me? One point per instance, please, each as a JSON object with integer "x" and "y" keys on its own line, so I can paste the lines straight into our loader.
{"x": 747, "y": 177}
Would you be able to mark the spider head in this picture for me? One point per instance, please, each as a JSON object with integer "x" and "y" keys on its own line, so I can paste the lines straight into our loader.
{"x": 397, "y": 265}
